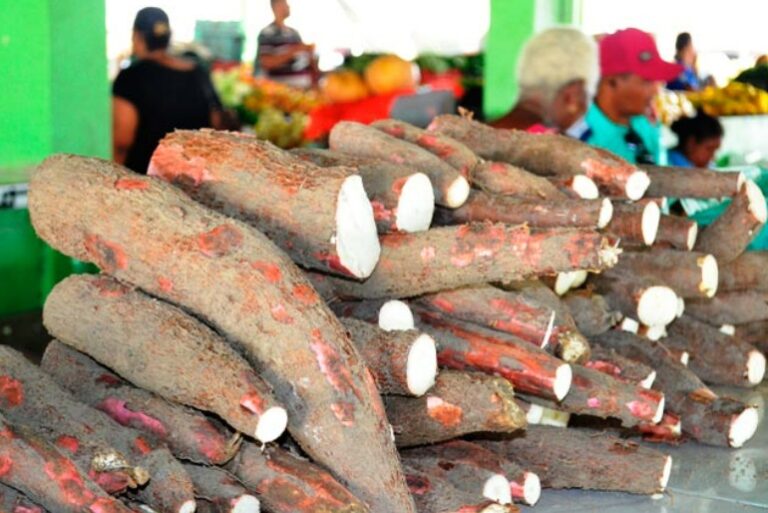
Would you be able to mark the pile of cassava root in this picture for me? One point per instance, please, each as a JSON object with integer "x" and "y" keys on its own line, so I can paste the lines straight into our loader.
{"x": 268, "y": 325}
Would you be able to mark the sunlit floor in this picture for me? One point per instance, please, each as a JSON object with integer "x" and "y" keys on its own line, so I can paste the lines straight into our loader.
{"x": 704, "y": 479}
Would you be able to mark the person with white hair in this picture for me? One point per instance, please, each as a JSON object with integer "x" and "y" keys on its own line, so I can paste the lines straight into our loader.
{"x": 557, "y": 73}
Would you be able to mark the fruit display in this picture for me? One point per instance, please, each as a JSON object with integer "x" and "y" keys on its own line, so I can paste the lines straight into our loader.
{"x": 670, "y": 106}
{"x": 275, "y": 112}
{"x": 735, "y": 99}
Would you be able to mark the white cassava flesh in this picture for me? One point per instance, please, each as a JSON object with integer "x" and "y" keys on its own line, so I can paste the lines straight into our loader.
{"x": 421, "y": 367}
{"x": 416, "y": 204}
{"x": 357, "y": 241}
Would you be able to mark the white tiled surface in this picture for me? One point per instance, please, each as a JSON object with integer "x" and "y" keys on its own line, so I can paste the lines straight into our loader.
{"x": 704, "y": 479}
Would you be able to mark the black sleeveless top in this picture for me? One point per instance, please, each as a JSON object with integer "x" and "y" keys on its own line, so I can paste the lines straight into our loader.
{"x": 166, "y": 99}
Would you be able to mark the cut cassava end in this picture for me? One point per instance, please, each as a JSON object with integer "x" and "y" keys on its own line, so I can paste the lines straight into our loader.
{"x": 728, "y": 329}
{"x": 654, "y": 332}
{"x": 669, "y": 430}
{"x": 681, "y": 182}
{"x": 630, "y": 325}
{"x": 402, "y": 362}
{"x": 465, "y": 346}
{"x": 537, "y": 213}
{"x": 395, "y": 315}
{"x": 402, "y": 200}
{"x": 188, "y": 433}
{"x": 416, "y": 204}
{"x": 148, "y": 233}
{"x": 715, "y": 357}
{"x": 637, "y": 184}
{"x": 322, "y": 217}
{"x": 730, "y": 234}
{"x": 356, "y": 238}
{"x": 518, "y": 313}
{"x": 743, "y": 427}
{"x": 606, "y": 213}
{"x": 450, "y": 187}
{"x": 456, "y": 256}
{"x": 584, "y": 187}
{"x": 460, "y": 403}
{"x": 128, "y": 326}
{"x": 497, "y": 488}
{"x": 390, "y": 315}
{"x": 635, "y": 224}
{"x": 651, "y": 304}
{"x": 579, "y": 458}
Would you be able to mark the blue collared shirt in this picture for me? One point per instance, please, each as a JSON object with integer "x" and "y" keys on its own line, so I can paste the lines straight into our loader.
{"x": 611, "y": 136}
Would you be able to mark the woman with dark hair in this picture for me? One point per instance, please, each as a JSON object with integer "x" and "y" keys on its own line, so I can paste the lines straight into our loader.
{"x": 157, "y": 94}
{"x": 698, "y": 139}
{"x": 685, "y": 54}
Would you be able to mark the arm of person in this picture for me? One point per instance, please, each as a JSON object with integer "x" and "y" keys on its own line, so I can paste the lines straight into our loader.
{"x": 271, "y": 60}
{"x": 125, "y": 121}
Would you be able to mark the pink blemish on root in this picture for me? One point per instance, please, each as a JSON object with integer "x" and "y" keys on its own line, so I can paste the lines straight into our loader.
{"x": 445, "y": 413}
{"x": 64, "y": 474}
{"x": 165, "y": 284}
{"x": 499, "y": 168}
{"x": 593, "y": 402}
{"x": 26, "y": 509}
{"x": 68, "y": 443}
{"x": 398, "y": 184}
{"x": 332, "y": 261}
{"x": 642, "y": 409}
{"x": 11, "y": 392}
{"x": 417, "y": 485}
{"x": 220, "y": 241}
{"x": 604, "y": 367}
{"x": 331, "y": 364}
{"x": 118, "y": 411}
{"x": 305, "y": 294}
{"x": 141, "y": 445}
{"x": 169, "y": 163}
{"x": 344, "y": 412}
{"x": 603, "y": 172}
{"x": 427, "y": 254}
{"x": 105, "y": 505}
{"x": 252, "y": 402}
{"x": 111, "y": 482}
{"x": 380, "y": 212}
{"x": 131, "y": 184}
{"x": 108, "y": 256}
{"x": 280, "y": 314}
{"x": 270, "y": 271}
{"x": 6, "y": 465}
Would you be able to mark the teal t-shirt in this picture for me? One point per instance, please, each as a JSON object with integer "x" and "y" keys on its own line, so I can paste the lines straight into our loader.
{"x": 606, "y": 134}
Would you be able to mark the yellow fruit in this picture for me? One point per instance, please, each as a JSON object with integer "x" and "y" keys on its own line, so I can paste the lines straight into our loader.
{"x": 343, "y": 86}
{"x": 390, "y": 73}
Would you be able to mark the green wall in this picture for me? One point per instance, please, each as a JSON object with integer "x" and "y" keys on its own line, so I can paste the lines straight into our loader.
{"x": 55, "y": 98}
{"x": 513, "y": 22}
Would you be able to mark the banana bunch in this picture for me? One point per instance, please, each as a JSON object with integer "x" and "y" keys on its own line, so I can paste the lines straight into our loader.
{"x": 735, "y": 99}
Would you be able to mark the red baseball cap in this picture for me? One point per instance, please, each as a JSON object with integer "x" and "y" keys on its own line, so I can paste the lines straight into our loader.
{"x": 634, "y": 51}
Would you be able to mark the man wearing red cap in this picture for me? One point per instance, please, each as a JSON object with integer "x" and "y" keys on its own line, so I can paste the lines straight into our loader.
{"x": 630, "y": 70}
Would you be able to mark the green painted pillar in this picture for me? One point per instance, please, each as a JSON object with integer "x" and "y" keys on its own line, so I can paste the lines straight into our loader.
{"x": 55, "y": 98}
{"x": 513, "y": 22}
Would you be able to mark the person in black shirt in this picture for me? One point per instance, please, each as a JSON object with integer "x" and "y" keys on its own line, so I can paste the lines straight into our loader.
{"x": 281, "y": 54}
{"x": 157, "y": 94}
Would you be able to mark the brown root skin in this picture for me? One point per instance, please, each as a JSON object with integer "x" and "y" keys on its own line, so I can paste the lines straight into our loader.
{"x": 185, "y": 368}
{"x": 740, "y": 307}
{"x": 217, "y": 486}
{"x": 715, "y": 357}
{"x": 40, "y": 471}
{"x": 13, "y": 501}
{"x": 746, "y": 272}
{"x": 730, "y": 234}
{"x": 684, "y": 182}
{"x": 299, "y": 213}
{"x": 173, "y": 248}
{"x": 503, "y": 179}
{"x": 562, "y": 212}
{"x": 591, "y": 312}
{"x": 286, "y": 483}
{"x": 576, "y": 458}
{"x": 540, "y": 154}
{"x": 456, "y": 256}
{"x": 365, "y": 141}
{"x": 620, "y": 367}
{"x": 188, "y": 433}
{"x": 677, "y": 233}
{"x": 466, "y": 346}
{"x": 460, "y": 403}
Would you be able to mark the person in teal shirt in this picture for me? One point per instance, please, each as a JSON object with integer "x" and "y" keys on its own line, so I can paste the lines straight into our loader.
{"x": 630, "y": 71}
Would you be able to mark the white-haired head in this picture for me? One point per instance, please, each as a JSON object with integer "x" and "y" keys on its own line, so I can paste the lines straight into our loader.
{"x": 555, "y": 58}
